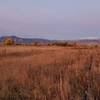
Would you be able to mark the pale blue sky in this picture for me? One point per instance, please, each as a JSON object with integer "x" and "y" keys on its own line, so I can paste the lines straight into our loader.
{"x": 52, "y": 19}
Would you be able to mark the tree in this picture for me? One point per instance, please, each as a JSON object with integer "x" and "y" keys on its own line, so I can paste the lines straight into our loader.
{"x": 9, "y": 41}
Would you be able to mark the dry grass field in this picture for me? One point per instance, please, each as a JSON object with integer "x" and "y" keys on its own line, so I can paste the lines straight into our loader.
{"x": 49, "y": 73}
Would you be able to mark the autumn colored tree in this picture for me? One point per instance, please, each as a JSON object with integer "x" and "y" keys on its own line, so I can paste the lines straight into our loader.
{"x": 9, "y": 41}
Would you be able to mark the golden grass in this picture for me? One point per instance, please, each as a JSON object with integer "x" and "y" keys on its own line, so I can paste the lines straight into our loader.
{"x": 49, "y": 73}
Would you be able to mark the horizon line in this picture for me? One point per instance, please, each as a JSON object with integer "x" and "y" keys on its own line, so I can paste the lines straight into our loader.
{"x": 84, "y": 38}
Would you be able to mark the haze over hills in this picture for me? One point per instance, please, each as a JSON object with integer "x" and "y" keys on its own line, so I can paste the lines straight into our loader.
{"x": 89, "y": 41}
{"x": 20, "y": 40}
{"x": 25, "y": 40}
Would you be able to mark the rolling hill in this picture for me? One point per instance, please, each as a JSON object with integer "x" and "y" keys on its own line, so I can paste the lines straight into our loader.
{"x": 20, "y": 40}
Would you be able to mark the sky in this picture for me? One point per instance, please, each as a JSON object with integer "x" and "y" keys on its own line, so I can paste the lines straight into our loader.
{"x": 51, "y": 19}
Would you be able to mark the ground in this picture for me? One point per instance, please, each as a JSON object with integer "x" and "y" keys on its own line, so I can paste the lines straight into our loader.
{"x": 49, "y": 73}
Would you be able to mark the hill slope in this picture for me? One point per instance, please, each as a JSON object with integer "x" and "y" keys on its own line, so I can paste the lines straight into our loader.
{"x": 20, "y": 40}
{"x": 25, "y": 40}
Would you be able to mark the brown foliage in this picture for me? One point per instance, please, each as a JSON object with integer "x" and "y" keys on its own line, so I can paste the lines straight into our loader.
{"x": 9, "y": 41}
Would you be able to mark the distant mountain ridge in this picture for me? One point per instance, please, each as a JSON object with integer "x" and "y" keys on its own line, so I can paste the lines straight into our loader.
{"x": 89, "y": 41}
{"x": 20, "y": 40}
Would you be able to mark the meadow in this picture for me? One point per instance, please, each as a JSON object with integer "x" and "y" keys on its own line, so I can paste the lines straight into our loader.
{"x": 49, "y": 73}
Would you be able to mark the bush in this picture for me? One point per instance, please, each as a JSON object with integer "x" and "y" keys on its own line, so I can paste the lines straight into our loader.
{"x": 61, "y": 43}
{"x": 64, "y": 44}
{"x": 9, "y": 41}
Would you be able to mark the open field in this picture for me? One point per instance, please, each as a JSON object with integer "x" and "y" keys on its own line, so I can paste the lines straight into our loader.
{"x": 49, "y": 73}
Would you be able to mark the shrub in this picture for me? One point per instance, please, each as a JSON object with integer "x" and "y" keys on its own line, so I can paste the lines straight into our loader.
{"x": 61, "y": 43}
{"x": 9, "y": 41}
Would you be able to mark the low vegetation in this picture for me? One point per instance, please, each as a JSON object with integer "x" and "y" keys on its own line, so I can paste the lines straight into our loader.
{"x": 49, "y": 73}
{"x": 9, "y": 41}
